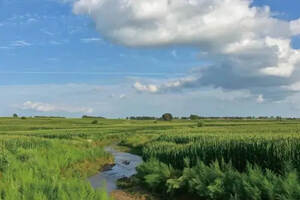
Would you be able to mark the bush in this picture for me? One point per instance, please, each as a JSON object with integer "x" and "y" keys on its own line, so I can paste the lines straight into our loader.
{"x": 154, "y": 175}
{"x": 219, "y": 181}
{"x": 94, "y": 122}
{"x": 23, "y": 117}
{"x": 200, "y": 124}
{"x": 167, "y": 117}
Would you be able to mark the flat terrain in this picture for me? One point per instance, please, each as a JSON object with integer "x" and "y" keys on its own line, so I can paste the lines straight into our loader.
{"x": 50, "y": 158}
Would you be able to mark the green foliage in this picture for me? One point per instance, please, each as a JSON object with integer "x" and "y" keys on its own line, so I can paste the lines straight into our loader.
{"x": 267, "y": 152}
{"x": 32, "y": 168}
{"x": 194, "y": 117}
{"x": 200, "y": 124}
{"x": 39, "y": 157}
{"x": 219, "y": 181}
{"x": 95, "y": 122}
{"x": 4, "y": 162}
{"x": 155, "y": 174}
{"x": 167, "y": 117}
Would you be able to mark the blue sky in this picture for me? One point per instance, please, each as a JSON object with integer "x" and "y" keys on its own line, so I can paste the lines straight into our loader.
{"x": 58, "y": 59}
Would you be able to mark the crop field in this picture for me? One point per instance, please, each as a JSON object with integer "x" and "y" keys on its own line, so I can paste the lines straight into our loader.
{"x": 51, "y": 158}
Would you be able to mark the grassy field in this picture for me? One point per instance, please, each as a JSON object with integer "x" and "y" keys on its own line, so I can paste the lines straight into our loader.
{"x": 50, "y": 158}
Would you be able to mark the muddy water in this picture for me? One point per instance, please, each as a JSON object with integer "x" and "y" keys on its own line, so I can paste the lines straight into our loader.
{"x": 125, "y": 166}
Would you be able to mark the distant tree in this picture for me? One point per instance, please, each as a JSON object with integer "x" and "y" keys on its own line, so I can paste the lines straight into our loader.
{"x": 167, "y": 117}
{"x": 89, "y": 117}
{"x": 23, "y": 117}
{"x": 194, "y": 117}
{"x": 15, "y": 115}
{"x": 94, "y": 122}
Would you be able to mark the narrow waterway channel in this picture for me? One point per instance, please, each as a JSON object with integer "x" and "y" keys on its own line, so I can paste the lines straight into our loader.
{"x": 125, "y": 166}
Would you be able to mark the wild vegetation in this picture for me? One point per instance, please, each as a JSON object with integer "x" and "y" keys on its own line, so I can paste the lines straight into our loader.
{"x": 50, "y": 158}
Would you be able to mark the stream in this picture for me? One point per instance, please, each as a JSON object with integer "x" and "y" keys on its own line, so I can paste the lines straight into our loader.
{"x": 125, "y": 166}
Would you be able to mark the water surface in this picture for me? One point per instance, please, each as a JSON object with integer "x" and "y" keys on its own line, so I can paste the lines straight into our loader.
{"x": 125, "y": 166}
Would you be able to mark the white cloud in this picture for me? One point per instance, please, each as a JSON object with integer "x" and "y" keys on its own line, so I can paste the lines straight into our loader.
{"x": 47, "y": 32}
{"x": 260, "y": 99}
{"x": 172, "y": 85}
{"x": 122, "y": 96}
{"x": 293, "y": 87}
{"x": 20, "y": 43}
{"x": 31, "y": 20}
{"x": 45, "y": 107}
{"x": 246, "y": 45}
{"x": 146, "y": 88}
{"x": 295, "y": 27}
{"x": 89, "y": 40}
{"x": 206, "y": 102}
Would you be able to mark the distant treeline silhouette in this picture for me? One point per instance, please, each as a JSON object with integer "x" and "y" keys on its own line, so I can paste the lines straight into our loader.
{"x": 87, "y": 116}
{"x": 197, "y": 117}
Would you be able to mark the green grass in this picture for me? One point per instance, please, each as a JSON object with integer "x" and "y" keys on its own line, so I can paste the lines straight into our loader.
{"x": 50, "y": 158}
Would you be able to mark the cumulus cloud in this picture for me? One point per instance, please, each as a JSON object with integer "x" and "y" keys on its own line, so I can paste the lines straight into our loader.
{"x": 295, "y": 27}
{"x": 247, "y": 46}
{"x": 172, "y": 85}
{"x": 45, "y": 107}
{"x": 145, "y": 88}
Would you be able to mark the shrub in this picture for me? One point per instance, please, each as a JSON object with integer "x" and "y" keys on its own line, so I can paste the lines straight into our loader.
{"x": 167, "y": 117}
{"x": 155, "y": 174}
{"x": 219, "y": 181}
{"x": 200, "y": 124}
{"x": 94, "y": 122}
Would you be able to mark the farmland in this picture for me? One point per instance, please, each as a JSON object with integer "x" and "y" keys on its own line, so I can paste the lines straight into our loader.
{"x": 50, "y": 158}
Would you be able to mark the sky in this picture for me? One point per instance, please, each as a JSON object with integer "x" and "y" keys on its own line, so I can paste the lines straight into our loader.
{"x": 118, "y": 58}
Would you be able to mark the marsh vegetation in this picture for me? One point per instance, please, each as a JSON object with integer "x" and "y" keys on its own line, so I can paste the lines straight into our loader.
{"x": 51, "y": 158}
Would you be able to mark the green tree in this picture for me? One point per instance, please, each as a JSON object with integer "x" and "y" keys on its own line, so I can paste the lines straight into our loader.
{"x": 194, "y": 117}
{"x": 167, "y": 117}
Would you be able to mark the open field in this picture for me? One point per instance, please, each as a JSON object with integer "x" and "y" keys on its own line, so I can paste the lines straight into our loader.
{"x": 50, "y": 158}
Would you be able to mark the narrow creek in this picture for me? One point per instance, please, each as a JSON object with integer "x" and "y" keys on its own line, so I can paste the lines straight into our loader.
{"x": 125, "y": 166}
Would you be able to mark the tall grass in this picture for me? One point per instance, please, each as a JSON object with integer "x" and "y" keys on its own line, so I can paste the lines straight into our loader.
{"x": 265, "y": 151}
{"x": 31, "y": 169}
{"x": 218, "y": 181}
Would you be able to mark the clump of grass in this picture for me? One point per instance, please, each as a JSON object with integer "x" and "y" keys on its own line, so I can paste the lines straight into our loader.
{"x": 31, "y": 168}
{"x": 200, "y": 124}
{"x": 95, "y": 122}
